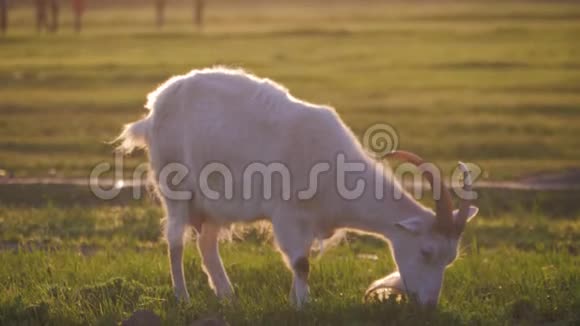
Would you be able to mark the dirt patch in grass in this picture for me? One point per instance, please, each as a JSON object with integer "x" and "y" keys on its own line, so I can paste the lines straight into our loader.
{"x": 570, "y": 177}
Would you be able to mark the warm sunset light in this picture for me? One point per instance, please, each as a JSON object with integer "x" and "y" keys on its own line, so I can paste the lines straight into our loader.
{"x": 282, "y": 162}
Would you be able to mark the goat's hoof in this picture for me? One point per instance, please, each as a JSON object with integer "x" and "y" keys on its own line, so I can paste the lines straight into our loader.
{"x": 182, "y": 298}
{"x": 229, "y": 298}
{"x": 299, "y": 305}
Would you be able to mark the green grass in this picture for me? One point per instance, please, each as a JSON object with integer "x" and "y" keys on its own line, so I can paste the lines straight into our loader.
{"x": 79, "y": 265}
{"x": 497, "y": 84}
{"x": 494, "y": 83}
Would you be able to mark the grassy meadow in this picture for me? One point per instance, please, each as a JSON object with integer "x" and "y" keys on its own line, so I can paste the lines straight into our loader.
{"x": 78, "y": 265}
{"x": 494, "y": 83}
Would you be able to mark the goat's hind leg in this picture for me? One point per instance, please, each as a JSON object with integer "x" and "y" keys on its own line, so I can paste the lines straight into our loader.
{"x": 175, "y": 226}
{"x": 207, "y": 244}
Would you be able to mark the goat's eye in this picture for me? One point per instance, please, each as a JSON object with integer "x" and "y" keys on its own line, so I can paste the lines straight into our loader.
{"x": 427, "y": 254}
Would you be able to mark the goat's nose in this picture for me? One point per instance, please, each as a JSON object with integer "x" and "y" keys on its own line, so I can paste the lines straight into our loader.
{"x": 429, "y": 304}
{"x": 423, "y": 301}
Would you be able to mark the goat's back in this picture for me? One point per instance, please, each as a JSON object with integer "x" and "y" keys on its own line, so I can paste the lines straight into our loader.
{"x": 235, "y": 119}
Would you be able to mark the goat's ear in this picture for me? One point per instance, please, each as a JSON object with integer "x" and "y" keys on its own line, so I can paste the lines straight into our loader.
{"x": 470, "y": 214}
{"x": 412, "y": 224}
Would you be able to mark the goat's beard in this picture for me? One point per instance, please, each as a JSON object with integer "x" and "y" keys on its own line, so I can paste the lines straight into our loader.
{"x": 383, "y": 288}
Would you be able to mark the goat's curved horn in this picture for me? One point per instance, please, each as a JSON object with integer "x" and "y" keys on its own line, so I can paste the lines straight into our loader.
{"x": 444, "y": 204}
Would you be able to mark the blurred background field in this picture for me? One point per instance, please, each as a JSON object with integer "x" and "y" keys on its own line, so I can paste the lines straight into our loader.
{"x": 496, "y": 83}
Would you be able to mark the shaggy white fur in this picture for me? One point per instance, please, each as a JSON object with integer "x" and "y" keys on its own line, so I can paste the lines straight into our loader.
{"x": 241, "y": 121}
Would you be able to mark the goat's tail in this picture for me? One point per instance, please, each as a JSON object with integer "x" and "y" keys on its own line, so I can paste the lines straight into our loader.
{"x": 134, "y": 135}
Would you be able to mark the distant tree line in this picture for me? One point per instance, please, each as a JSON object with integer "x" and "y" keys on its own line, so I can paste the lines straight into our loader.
{"x": 47, "y": 13}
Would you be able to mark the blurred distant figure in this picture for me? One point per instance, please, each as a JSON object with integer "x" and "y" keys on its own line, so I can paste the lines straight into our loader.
{"x": 78, "y": 7}
{"x": 3, "y": 16}
{"x": 198, "y": 12}
{"x": 42, "y": 7}
{"x": 160, "y": 10}
{"x": 41, "y": 14}
{"x": 54, "y": 11}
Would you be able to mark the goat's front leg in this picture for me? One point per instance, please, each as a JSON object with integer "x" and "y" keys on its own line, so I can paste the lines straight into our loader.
{"x": 294, "y": 241}
{"x": 174, "y": 231}
{"x": 207, "y": 244}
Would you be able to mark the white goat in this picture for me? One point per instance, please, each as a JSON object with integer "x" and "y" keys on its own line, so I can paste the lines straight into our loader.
{"x": 235, "y": 119}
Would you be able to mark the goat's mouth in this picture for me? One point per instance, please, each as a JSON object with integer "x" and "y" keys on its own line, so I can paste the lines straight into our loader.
{"x": 389, "y": 286}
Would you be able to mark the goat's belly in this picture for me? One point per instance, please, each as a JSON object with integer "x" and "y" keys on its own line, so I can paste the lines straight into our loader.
{"x": 323, "y": 232}
{"x": 231, "y": 211}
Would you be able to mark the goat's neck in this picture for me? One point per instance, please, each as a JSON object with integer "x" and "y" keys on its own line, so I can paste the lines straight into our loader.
{"x": 372, "y": 214}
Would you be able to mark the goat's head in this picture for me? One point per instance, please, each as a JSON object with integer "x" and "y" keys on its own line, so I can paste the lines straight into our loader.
{"x": 423, "y": 246}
